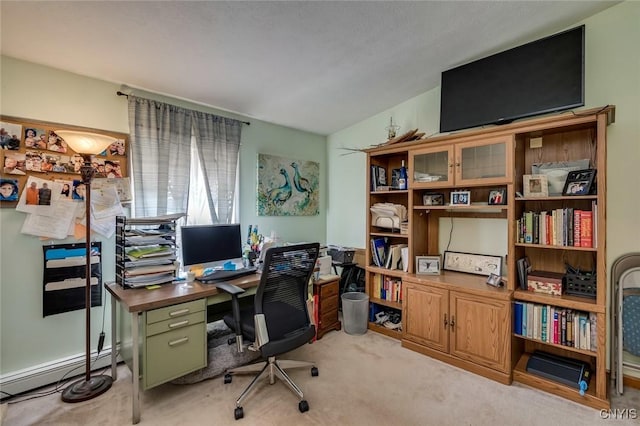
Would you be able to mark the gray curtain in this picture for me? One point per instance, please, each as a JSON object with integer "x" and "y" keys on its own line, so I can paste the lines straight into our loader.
{"x": 160, "y": 156}
{"x": 218, "y": 144}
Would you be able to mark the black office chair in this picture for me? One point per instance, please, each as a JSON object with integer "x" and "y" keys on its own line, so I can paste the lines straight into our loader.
{"x": 279, "y": 320}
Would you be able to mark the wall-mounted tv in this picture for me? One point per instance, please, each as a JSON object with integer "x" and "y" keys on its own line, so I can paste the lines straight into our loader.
{"x": 543, "y": 76}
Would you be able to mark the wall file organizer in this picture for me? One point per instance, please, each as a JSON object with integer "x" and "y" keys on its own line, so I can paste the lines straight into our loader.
{"x": 65, "y": 277}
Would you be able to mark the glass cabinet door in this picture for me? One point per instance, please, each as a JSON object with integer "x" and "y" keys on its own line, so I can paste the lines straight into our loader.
{"x": 484, "y": 162}
{"x": 431, "y": 167}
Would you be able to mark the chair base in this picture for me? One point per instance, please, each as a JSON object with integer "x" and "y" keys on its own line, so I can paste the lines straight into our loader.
{"x": 274, "y": 368}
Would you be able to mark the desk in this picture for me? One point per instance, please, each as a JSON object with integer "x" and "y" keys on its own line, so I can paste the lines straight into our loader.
{"x": 153, "y": 315}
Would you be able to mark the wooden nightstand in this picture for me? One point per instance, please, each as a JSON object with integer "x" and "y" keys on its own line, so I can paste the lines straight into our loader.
{"x": 327, "y": 294}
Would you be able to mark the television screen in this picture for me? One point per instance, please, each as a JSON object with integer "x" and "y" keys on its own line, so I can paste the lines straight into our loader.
{"x": 546, "y": 75}
{"x": 201, "y": 244}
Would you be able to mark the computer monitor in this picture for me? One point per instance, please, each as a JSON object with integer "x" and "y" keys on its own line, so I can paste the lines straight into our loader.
{"x": 211, "y": 245}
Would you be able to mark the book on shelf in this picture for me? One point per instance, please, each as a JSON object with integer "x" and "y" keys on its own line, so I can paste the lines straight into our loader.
{"x": 379, "y": 251}
{"x": 394, "y": 257}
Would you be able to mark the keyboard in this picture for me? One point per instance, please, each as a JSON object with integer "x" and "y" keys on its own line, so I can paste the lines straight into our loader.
{"x": 224, "y": 275}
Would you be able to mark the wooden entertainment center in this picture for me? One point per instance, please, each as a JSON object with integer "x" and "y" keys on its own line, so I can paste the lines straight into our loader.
{"x": 456, "y": 317}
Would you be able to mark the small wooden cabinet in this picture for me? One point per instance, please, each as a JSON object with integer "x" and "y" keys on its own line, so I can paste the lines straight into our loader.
{"x": 459, "y": 324}
{"x": 326, "y": 292}
{"x": 476, "y": 162}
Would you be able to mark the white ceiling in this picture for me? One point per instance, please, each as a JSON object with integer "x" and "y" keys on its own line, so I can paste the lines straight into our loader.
{"x": 318, "y": 66}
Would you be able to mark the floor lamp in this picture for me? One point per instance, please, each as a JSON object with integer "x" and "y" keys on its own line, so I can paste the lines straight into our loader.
{"x": 86, "y": 144}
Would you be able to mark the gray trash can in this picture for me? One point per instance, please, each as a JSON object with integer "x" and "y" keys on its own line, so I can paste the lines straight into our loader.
{"x": 355, "y": 310}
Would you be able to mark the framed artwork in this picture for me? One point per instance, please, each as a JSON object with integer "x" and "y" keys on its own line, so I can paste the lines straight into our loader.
{"x": 479, "y": 264}
{"x": 498, "y": 197}
{"x": 460, "y": 198}
{"x": 287, "y": 187}
{"x": 579, "y": 182}
{"x": 535, "y": 185}
{"x": 433, "y": 199}
{"x": 428, "y": 265}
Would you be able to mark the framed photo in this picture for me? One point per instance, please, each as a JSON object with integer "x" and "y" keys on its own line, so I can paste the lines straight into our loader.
{"x": 428, "y": 265}
{"x": 498, "y": 197}
{"x": 433, "y": 199}
{"x": 535, "y": 185}
{"x": 495, "y": 280}
{"x": 461, "y": 198}
{"x": 471, "y": 263}
{"x": 579, "y": 182}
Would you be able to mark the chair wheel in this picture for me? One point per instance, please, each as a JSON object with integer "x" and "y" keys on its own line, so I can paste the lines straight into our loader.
{"x": 314, "y": 371}
{"x": 231, "y": 340}
{"x": 303, "y": 406}
{"x": 238, "y": 413}
{"x": 227, "y": 378}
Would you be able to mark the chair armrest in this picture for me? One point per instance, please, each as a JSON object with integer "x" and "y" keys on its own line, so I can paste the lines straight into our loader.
{"x": 231, "y": 289}
{"x": 234, "y": 291}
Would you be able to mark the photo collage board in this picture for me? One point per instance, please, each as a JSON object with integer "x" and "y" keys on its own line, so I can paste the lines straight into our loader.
{"x": 33, "y": 156}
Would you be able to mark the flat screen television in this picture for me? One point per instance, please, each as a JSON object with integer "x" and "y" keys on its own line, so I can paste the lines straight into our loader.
{"x": 210, "y": 244}
{"x": 543, "y": 76}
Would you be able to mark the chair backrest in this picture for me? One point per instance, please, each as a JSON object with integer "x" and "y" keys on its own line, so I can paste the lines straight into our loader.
{"x": 283, "y": 290}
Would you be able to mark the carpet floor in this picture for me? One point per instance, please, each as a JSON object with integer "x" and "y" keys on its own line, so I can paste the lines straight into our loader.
{"x": 364, "y": 380}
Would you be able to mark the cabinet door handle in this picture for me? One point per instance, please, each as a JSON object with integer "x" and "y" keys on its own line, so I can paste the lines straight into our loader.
{"x": 179, "y": 312}
{"x": 179, "y": 341}
{"x": 179, "y": 324}
{"x": 451, "y": 165}
{"x": 457, "y": 164}
{"x": 446, "y": 323}
{"x": 453, "y": 323}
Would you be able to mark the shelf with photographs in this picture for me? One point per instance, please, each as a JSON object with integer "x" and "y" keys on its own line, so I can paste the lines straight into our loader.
{"x": 559, "y": 229}
{"x": 493, "y": 187}
{"x": 32, "y": 149}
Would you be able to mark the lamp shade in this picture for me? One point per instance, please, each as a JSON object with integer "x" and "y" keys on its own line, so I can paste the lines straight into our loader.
{"x": 85, "y": 143}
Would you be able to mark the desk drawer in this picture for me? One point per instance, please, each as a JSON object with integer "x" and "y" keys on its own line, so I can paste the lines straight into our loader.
{"x": 329, "y": 290}
{"x": 329, "y": 318}
{"x": 174, "y": 353}
{"x": 176, "y": 323}
{"x": 329, "y": 304}
{"x": 175, "y": 311}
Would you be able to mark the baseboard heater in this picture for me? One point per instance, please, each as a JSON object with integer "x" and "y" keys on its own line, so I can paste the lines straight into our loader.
{"x": 570, "y": 372}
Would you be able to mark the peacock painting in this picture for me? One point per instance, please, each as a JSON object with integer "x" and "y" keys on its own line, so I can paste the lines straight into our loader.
{"x": 287, "y": 187}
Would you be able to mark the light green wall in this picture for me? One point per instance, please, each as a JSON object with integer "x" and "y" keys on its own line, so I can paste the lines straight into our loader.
{"x": 612, "y": 77}
{"x": 42, "y": 93}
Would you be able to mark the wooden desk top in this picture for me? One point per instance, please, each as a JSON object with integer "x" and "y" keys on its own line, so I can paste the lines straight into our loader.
{"x": 142, "y": 299}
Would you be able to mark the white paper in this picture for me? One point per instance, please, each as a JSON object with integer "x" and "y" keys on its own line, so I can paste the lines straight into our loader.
{"x": 42, "y": 210}
{"x": 50, "y": 226}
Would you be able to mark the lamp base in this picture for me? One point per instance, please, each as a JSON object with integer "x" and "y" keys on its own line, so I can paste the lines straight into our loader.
{"x": 82, "y": 390}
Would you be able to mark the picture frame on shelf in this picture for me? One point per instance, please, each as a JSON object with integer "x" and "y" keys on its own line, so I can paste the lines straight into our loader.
{"x": 433, "y": 199}
{"x": 471, "y": 263}
{"x": 498, "y": 197}
{"x": 579, "y": 182}
{"x": 428, "y": 265}
{"x": 460, "y": 198}
{"x": 535, "y": 186}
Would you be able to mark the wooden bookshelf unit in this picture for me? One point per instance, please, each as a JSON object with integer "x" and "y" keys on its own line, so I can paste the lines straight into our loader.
{"x": 456, "y": 317}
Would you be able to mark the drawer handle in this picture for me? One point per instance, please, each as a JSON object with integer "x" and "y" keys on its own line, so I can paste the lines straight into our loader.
{"x": 179, "y": 341}
{"x": 180, "y": 312}
{"x": 179, "y": 324}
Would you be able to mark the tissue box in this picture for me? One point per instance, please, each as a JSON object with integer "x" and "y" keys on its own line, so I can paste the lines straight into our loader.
{"x": 341, "y": 254}
{"x": 545, "y": 282}
{"x": 324, "y": 262}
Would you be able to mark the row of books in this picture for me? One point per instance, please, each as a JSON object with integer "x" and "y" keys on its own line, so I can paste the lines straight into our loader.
{"x": 387, "y": 288}
{"x": 390, "y": 256}
{"x": 552, "y": 324}
{"x": 380, "y": 180}
{"x": 559, "y": 227}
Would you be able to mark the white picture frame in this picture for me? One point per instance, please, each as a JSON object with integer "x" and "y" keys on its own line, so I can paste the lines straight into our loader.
{"x": 460, "y": 198}
{"x": 535, "y": 186}
{"x": 479, "y": 264}
{"x": 428, "y": 265}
